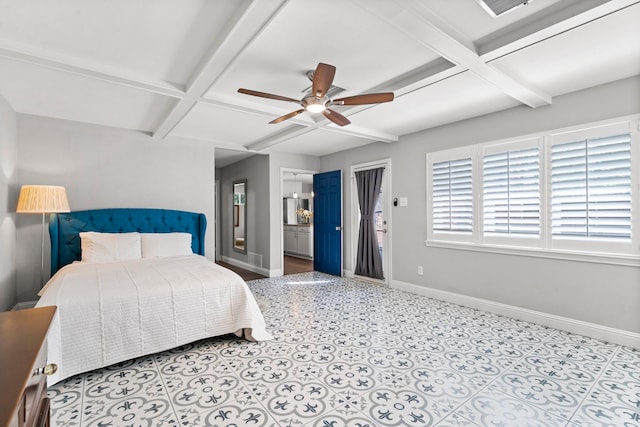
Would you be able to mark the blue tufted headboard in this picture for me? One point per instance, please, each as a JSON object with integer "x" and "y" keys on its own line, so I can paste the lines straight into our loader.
{"x": 64, "y": 228}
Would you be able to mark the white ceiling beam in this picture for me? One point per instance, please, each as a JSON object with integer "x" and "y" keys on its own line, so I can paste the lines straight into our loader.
{"x": 419, "y": 23}
{"x": 251, "y": 21}
{"x": 361, "y": 132}
{"x": 225, "y": 145}
{"x": 222, "y": 102}
{"x": 304, "y": 128}
{"x": 293, "y": 132}
{"x": 429, "y": 73}
{"x": 23, "y": 54}
{"x": 288, "y": 133}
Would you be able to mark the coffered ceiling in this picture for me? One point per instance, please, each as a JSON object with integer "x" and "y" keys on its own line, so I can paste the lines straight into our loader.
{"x": 172, "y": 68}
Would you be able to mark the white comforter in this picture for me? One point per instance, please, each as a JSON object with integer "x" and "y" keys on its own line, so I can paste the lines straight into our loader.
{"x": 112, "y": 312}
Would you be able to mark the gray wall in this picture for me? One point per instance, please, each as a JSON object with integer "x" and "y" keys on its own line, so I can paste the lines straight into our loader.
{"x": 603, "y": 294}
{"x": 103, "y": 167}
{"x": 8, "y": 200}
{"x": 255, "y": 170}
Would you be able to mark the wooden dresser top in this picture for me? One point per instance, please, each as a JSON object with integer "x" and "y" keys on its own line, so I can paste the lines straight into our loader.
{"x": 22, "y": 333}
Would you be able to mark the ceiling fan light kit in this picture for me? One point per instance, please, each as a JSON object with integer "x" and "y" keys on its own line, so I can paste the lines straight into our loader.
{"x": 313, "y": 104}
{"x": 318, "y": 101}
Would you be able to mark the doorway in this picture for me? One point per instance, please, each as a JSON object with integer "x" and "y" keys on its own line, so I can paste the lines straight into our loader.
{"x": 297, "y": 220}
{"x": 217, "y": 219}
{"x": 381, "y": 217}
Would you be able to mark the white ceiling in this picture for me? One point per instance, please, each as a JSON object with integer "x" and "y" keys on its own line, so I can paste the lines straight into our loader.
{"x": 172, "y": 68}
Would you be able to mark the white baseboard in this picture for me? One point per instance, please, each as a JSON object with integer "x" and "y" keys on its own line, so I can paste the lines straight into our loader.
{"x": 617, "y": 336}
{"x": 348, "y": 274}
{"x": 24, "y": 304}
{"x": 247, "y": 266}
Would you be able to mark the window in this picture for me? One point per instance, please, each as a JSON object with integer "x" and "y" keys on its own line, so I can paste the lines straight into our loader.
{"x": 574, "y": 192}
{"x": 591, "y": 188}
{"x": 452, "y": 196}
{"x": 511, "y": 193}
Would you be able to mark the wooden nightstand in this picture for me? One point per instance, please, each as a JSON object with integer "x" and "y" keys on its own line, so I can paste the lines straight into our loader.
{"x": 23, "y": 356}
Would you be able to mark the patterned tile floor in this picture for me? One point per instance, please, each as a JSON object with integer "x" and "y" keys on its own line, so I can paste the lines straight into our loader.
{"x": 348, "y": 353}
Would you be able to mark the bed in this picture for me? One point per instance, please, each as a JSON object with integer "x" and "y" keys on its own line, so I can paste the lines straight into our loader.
{"x": 119, "y": 299}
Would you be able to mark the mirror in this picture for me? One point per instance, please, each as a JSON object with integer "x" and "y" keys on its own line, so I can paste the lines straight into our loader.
{"x": 240, "y": 215}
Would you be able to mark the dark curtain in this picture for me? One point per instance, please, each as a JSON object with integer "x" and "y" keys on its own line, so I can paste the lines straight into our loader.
{"x": 368, "y": 259}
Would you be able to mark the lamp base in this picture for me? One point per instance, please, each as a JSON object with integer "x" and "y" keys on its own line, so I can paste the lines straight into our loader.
{"x": 42, "y": 255}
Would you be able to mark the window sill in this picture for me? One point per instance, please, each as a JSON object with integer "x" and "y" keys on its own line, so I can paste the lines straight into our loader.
{"x": 613, "y": 259}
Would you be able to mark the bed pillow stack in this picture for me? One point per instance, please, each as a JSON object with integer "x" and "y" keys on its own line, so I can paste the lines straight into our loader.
{"x": 108, "y": 247}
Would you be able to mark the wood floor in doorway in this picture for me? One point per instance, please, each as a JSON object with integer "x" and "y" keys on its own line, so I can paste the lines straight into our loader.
{"x": 245, "y": 274}
{"x": 294, "y": 265}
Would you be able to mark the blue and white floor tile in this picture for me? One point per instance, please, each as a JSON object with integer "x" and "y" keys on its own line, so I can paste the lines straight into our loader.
{"x": 349, "y": 353}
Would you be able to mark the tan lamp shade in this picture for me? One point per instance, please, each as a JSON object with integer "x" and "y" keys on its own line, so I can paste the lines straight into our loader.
{"x": 42, "y": 199}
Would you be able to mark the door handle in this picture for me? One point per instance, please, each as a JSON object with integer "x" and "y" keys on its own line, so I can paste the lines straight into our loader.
{"x": 338, "y": 228}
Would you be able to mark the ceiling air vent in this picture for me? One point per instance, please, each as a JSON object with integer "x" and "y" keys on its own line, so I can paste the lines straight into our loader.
{"x": 496, "y": 8}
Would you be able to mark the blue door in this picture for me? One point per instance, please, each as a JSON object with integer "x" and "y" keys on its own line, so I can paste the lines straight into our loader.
{"x": 327, "y": 222}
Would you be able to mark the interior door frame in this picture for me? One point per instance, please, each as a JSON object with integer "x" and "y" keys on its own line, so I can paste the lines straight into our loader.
{"x": 284, "y": 170}
{"x": 218, "y": 222}
{"x": 355, "y": 213}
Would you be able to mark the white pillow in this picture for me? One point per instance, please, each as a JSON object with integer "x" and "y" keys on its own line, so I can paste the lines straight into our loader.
{"x": 106, "y": 247}
{"x": 165, "y": 244}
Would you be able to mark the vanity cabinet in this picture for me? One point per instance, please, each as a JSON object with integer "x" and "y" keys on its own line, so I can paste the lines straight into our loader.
{"x": 23, "y": 357}
{"x": 305, "y": 241}
{"x": 298, "y": 240}
{"x": 290, "y": 239}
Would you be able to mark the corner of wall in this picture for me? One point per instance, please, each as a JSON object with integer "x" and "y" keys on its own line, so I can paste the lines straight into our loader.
{"x": 9, "y": 187}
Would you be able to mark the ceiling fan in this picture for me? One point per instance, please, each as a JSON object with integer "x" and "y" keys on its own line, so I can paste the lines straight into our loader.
{"x": 318, "y": 101}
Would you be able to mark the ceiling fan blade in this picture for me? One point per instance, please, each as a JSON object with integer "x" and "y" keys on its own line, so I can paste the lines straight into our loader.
{"x": 335, "y": 117}
{"x": 370, "y": 98}
{"x": 322, "y": 79}
{"x": 267, "y": 95}
{"x": 285, "y": 117}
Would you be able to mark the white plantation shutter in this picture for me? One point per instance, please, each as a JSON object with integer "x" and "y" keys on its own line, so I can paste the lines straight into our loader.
{"x": 452, "y": 196}
{"x": 591, "y": 188}
{"x": 511, "y": 193}
{"x": 573, "y": 192}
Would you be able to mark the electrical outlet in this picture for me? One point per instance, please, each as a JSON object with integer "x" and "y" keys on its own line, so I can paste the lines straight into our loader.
{"x": 420, "y": 270}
